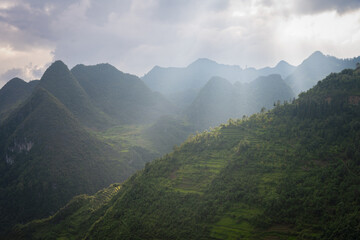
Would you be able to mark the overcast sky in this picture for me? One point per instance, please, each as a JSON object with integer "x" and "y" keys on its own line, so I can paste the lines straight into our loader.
{"x": 135, "y": 35}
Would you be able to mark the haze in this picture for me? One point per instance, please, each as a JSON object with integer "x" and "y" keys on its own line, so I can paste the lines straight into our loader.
{"x": 135, "y": 35}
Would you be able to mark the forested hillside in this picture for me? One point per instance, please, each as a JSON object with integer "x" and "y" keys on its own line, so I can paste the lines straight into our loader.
{"x": 289, "y": 173}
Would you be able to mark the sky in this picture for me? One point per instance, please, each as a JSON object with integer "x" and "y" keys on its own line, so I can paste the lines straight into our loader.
{"x": 135, "y": 35}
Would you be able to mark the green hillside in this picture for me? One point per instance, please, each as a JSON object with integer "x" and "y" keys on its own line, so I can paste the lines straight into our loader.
{"x": 290, "y": 173}
{"x": 12, "y": 94}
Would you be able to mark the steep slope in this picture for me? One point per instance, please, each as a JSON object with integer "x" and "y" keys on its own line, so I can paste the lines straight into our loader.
{"x": 315, "y": 68}
{"x": 122, "y": 96}
{"x": 291, "y": 173}
{"x": 61, "y": 83}
{"x": 13, "y": 93}
{"x": 47, "y": 157}
{"x": 220, "y": 100}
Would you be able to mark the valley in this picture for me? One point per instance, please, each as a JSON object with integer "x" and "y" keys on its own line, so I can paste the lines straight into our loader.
{"x": 70, "y": 134}
{"x": 288, "y": 173}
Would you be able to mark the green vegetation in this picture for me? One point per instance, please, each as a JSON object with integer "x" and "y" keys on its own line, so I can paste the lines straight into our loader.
{"x": 289, "y": 173}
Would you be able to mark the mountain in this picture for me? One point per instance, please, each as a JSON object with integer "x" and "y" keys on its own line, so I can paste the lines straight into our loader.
{"x": 283, "y": 68}
{"x": 216, "y": 102}
{"x": 289, "y": 173}
{"x": 183, "y": 83}
{"x": 61, "y": 139}
{"x": 220, "y": 100}
{"x": 315, "y": 68}
{"x": 13, "y": 93}
{"x": 60, "y": 82}
{"x": 122, "y": 96}
{"x": 47, "y": 157}
{"x": 170, "y": 81}
{"x": 178, "y": 84}
{"x": 268, "y": 90}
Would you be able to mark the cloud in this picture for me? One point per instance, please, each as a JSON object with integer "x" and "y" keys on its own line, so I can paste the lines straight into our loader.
{"x": 10, "y": 74}
{"x": 135, "y": 35}
{"x": 31, "y": 62}
{"x": 28, "y": 72}
{"x": 341, "y": 7}
{"x": 30, "y": 23}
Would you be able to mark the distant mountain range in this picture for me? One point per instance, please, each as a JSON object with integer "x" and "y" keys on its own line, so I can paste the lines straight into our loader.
{"x": 181, "y": 83}
{"x": 172, "y": 80}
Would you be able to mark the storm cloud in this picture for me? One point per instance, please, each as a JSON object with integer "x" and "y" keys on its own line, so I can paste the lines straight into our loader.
{"x": 135, "y": 35}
